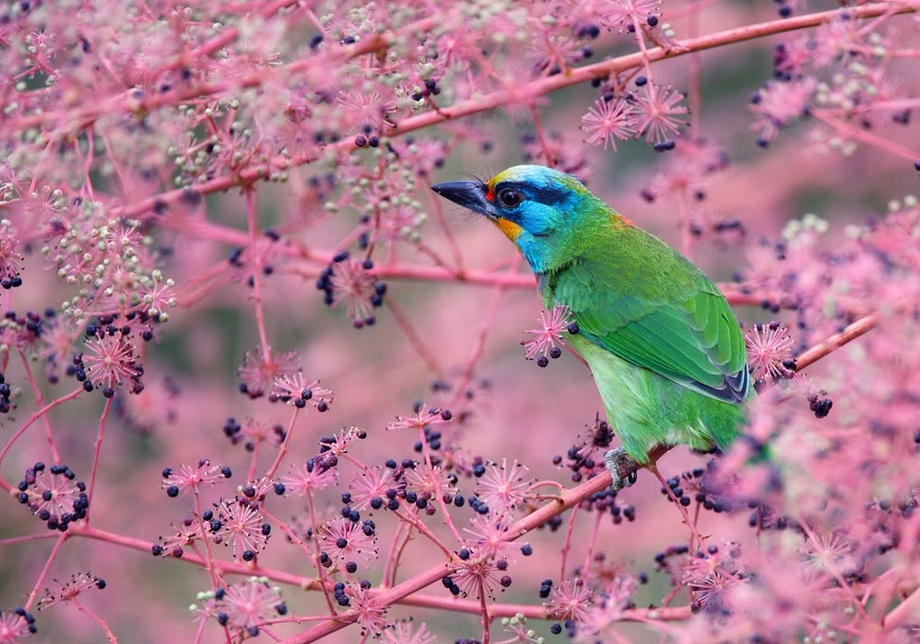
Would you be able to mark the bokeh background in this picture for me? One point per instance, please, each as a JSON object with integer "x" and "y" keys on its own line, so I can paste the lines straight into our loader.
{"x": 515, "y": 409}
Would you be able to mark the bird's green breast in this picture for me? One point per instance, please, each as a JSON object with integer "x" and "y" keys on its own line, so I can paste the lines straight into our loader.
{"x": 646, "y": 409}
{"x": 662, "y": 343}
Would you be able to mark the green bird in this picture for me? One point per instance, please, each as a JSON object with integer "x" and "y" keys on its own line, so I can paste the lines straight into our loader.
{"x": 662, "y": 343}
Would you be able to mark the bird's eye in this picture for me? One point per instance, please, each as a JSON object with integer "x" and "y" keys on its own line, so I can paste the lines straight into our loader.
{"x": 509, "y": 197}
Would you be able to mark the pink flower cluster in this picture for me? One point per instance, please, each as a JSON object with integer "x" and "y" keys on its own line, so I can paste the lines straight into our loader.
{"x": 202, "y": 202}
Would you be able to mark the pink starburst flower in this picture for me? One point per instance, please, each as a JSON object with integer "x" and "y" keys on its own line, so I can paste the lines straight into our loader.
{"x": 561, "y": 152}
{"x": 174, "y": 545}
{"x": 712, "y": 577}
{"x": 337, "y": 444}
{"x": 367, "y": 111}
{"x": 608, "y": 613}
{"x": 261, "y": 370}
{"x": 681, "y": 180}
{"x": 836, "y": 39}
{"x": 620, "y": 15}
{"x": 545, "y": 340}
{"x": 503, "y": 487}
{"x": 69, "y": 590}
{"x": 785, "y": 594}
{"x": 556, "y": 54}
{"x": 243, "y": 607}
{"x": 423, "y": 154}
{"x": 20, "y": 333}
{"x": 59, "y": 334}
{"x": 572, "y": 599}
{"x": 430, "y": 482}
{"x": 777, "y": 104}
{"x": 308, "y": 478}
{"x": 190, "y": 478}
{"x": 15, "y": 625}
{"x": 295, "y": 390}
{"x": 770, "y": 351}
{"x": 712, "y": 592}
{"x": 609, "y": 120}
{"x": 251, "y": 433}
{"x": 425, "y": 416}
{"x": 831, "y": 553}
{"x": 480, "y": 576}
{"x": 791, "y": 59}
{"x": 657, "y": 112}
{"x": 255, "y": 491}
{"x": 110, "y": 360}
{"x": 53, "y": 495}
{"x": 370, "y": 487}
{"x": 489, "y": 537}
{"x": 240, "y": 148}
{"x": 352, "y": 288}
{"x": 405, "y": 632}
{"x": 241, "y": 527}
{"x": 151, "y": 409}
{"x": 401, "y": 222}
{"x": 260, "y": 257}
{"x": 348, "y": 541}
{"x": 371, "y": 617}
{"x": 683, "y": 177}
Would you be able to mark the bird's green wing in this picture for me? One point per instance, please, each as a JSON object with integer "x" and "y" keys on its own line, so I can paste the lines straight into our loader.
{"x": 668, "y": 318}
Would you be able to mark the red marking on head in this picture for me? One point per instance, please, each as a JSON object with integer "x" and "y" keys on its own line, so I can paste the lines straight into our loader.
{"x": 490, "y": 192}
{"x": 620, "y": 220}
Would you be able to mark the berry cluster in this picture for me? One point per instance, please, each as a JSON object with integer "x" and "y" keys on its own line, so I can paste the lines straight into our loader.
{"x": 53, "y": 495}
{"x": 347, "y": 283}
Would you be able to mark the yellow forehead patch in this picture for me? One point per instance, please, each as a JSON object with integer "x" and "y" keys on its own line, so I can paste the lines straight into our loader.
{"x": 511, "y": 229}
{"x": 501, "y": 176}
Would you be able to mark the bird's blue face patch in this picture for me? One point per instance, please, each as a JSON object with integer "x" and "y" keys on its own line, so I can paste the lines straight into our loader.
{"x": 535, "y": 207}
{"x": 530, "y": 200}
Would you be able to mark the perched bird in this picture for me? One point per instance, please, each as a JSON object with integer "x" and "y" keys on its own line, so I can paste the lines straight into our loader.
{"x": 663, "y": 345}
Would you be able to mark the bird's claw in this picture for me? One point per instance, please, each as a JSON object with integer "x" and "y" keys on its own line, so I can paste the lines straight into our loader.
{"x": 623, "y": 469}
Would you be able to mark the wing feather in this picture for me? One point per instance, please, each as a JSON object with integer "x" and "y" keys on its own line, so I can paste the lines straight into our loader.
{"x": 679, "y": 327}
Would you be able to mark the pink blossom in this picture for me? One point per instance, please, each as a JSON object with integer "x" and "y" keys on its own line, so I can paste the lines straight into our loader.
{"x": 193, "y": 478}
{"x": 609, "y": 120}
{"x": 657, "y": 111}
{"x": 545, "y": 339}
{"x": 241, "y": 528}
{"x": 504, "y": 487}
{"x": 308, "y": 478}
{"x": 347, "y": 541}
{"x": 572, "y": 599}
{"x": 260, "y": 370}
{"x": 71, "y": 589}
{"x": 769, "y": 351}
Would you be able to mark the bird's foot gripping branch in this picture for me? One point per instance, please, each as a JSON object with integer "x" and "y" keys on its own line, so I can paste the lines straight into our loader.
{"x": 623, "y": 469}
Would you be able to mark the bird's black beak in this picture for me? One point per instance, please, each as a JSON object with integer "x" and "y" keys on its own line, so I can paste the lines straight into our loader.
{"x": 469, "y": 194}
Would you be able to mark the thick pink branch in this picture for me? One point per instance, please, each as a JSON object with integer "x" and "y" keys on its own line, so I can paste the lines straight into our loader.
{"x": 224, "y": 567}
{"x": 532, "y": 90}
{"x": 834, "y": 342}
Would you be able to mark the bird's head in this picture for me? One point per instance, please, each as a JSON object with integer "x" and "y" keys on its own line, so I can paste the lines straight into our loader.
{"x": 538, "y": 208}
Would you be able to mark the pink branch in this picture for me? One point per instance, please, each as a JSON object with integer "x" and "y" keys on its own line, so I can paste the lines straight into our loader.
{"x": 483, "y": 103}
{"x": 97, "y": 451}
{"x": 834, "y": 342}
